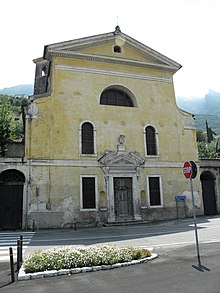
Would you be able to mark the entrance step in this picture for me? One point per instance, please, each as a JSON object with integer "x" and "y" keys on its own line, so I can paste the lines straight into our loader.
{"x": 126, "y": 223}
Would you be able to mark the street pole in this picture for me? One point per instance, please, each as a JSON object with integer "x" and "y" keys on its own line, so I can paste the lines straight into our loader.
{"x": 194, "y": 216}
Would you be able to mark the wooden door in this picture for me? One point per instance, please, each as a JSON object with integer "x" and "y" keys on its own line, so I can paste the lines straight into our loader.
{"x": 123, "y": 198}
{"x": 11, "y": 197}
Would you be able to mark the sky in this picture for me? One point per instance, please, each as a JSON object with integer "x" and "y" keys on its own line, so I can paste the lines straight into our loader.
{"x": 186, "y": 31}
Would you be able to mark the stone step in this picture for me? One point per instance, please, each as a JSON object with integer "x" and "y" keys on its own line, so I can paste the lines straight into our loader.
{"x": 125, "y": 223}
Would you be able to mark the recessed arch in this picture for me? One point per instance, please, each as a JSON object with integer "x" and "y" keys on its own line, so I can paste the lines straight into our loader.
{"x": 12, "y": 176}
{"x": 207, "y": 175}
{"x": 118, "y": 95}
{"x": 87, "y": 138}
{"x": 151, "y": 141}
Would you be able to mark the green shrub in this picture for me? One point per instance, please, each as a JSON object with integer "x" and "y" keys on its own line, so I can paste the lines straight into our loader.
{"x": 73, "y": 257}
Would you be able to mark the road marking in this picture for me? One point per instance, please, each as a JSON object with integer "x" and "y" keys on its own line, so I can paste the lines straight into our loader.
{"x": 9, "y": 239}
{"x": 186, "y": 243}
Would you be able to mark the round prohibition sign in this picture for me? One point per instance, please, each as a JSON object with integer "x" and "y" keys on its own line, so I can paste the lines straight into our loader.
{"x": 187, "y": 170}
{"x": 190, "y": 169}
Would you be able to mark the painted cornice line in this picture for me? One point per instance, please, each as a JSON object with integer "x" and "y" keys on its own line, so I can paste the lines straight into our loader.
{"x": 90, "y": 163}
{"x": 112, "y": 73}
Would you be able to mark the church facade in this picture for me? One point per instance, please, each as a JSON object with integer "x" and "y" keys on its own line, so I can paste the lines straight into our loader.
{"x": 105, "y": 140}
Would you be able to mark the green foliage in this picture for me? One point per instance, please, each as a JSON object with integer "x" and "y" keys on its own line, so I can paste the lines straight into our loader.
{"x": 17, "y": 131}
{"x": 209, "y": 133}
{"x": 213, "y": 121}
{"x": 76, "y": 257}
{"x": 5, "y": 124}
{"x": 18, "y": 101}
{"x": 208, "y": 145}
{"x": 200, "y": 135}
{"x": 10, "y": 129}
{"x": 208, "y": 150}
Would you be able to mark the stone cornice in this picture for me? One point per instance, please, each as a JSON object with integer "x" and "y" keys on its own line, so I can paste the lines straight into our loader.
{"x": 95, "y": 163}
{"x": 86, "y": 45}
{"x": 81, "y": 42}
{"x": 114, "y": 60}
{"x": 76, "y": 45}
{"x": 209, "y": 163}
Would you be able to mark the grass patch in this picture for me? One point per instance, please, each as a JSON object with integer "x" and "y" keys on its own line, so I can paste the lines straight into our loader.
{"x": 76, "y": 257}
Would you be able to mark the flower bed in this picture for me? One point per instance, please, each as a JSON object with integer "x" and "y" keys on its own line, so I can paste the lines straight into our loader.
{"x": 71, "y": 257}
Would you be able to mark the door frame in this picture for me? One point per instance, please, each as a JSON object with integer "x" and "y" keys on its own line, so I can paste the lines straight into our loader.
{"x": 135, "y": 193}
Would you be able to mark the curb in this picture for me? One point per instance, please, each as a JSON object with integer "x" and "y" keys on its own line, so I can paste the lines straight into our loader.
{"x": 22, "y": 276}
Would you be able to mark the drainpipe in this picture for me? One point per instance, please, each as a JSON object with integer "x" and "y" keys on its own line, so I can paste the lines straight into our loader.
{"x": 28, "y": 190}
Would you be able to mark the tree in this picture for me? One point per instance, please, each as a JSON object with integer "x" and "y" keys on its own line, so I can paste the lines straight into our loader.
{"x": 17, "y": 130}
{"x": 200, "y": 135}
{"x": 208, "y": 150}
{"x": 209, "y": 133}
{"x": 5, "y": 124}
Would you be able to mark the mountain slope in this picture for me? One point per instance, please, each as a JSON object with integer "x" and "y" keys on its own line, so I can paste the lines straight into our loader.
{"x": 208, "y": 105}
{"x": 24, "y": 89}
{"x": 206, "y": 108}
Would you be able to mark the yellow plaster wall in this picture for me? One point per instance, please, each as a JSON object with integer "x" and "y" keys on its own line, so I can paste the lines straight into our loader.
{"x": 75, "y": 98}
{"x": 126, "y": 52}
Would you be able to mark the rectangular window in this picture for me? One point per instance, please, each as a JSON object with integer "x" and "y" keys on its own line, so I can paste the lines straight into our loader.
{"x": 88, "y": 192}
{"x": 154, "y": 191}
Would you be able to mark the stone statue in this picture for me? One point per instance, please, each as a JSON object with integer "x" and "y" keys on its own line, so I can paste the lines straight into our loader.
{"x": 121, "y": 139}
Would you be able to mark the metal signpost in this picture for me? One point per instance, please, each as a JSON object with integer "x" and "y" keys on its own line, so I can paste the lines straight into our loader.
{"x": 190, "y": 172}
{"x": 180, "y": 199}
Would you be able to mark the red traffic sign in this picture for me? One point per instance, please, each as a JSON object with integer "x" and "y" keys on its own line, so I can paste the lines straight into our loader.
{"x": 187, "y": 170}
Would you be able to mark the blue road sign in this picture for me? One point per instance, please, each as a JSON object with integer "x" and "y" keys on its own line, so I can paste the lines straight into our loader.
{"x": 181, "y": 198}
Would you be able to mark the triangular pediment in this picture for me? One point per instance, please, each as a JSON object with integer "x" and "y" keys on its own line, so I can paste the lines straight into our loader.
{"x": 102, "y": 47}
{"x": 117, "y": 159}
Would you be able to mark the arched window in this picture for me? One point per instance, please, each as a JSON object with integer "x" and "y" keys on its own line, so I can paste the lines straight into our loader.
{"x": 87, "y": 138}
{"x": 151, "y": 141}
{"x": 116, "y": 97}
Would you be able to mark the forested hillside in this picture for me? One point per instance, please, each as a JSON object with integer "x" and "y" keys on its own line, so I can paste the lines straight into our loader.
{"x": 206, "y": 108}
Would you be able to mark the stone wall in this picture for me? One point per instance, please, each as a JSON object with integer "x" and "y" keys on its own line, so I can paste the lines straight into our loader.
{"x": 15, "y": 150}
{"x": 212, "y": 166}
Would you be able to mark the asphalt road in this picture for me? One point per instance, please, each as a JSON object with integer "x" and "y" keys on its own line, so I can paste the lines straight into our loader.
{"x": 175, "y": 270}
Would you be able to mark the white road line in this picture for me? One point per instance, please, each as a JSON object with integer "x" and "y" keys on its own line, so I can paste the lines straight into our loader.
{"x": 186, "y": 243}
{"x": 8, "y": 240}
